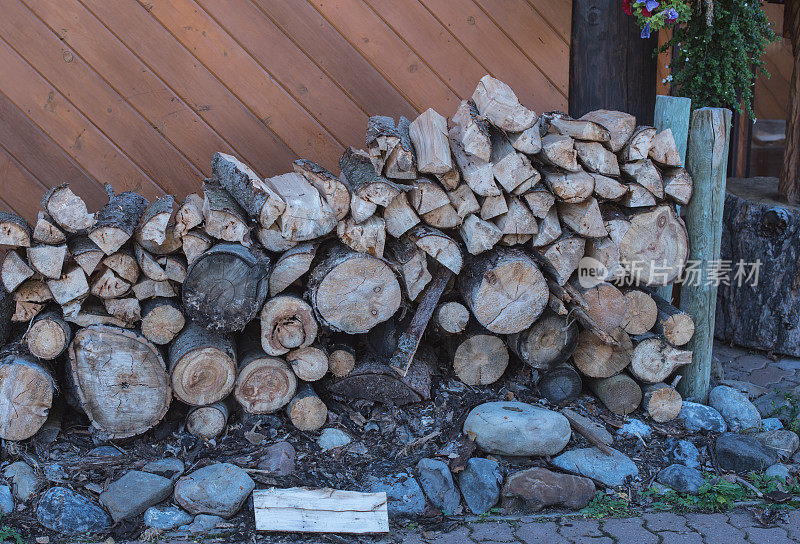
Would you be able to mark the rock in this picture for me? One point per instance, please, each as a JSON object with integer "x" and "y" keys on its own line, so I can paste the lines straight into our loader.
{"x": 611, "y": 470}
{"x": 219, "y": 489}
{"x": 64, "y": 511}
{"x": 778, "y": 471}
{"x": 437, "y": 482}
{"x": 783, "y": 441}
{"x": 516, "y": 428}
{"x": 635, "y": 428}
{"x": 600, "y": 430}
{"x": 681, "y": 478}
{"x": 6, "y": 500}
{"x": 752, "y": 390}
{"x": 104, "y": 451}
{"x": 165, "y": 518}
{"x": 278, "y": 459}
{"x": 202, "y": 523}
{"x": 479, "y": 483}
{"x": 661, "y": 489}
{"x": 331, "y": 438}
{"x": 683, "y": 452}
{"x": 537, "y": 488}
{"x": 771, "y": 424}
{"x": 134, "y": 493}
{"x": 169, "y": 467}
{"x": 796, "y": 458}
{"x": 743, "y": 453}
{"x": 404, "y": 495}
{"x": 774, "y": 404}
{"x": 55, "y": 473}
{"x": 699, "y": 417}
{"x": 739, "y": 413}
{"x": 23, "y": 480}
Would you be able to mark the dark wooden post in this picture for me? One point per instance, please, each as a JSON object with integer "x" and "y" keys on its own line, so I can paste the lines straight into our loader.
{"x": 789, "y": 186}
{"x": 611, "y": 66}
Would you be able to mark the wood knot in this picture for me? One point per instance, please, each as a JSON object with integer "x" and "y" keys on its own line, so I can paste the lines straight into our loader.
{"x": 773, "y": 222}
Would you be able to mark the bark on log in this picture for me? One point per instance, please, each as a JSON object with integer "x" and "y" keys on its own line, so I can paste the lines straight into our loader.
{"x": 504, "y": 289}
{"x": 189, "y": 215}
{"x": 653, "y": 359}
{"x": 117, "y": 221}
{"x": 225, "y": 287}
{"x": 329, "y": 186}
{"x": 365, "y": 184}
{"x": 48, "y": 335}
{"x": 560, "y": 384}
{"x": 381, "y": 138}
{"x": 662, "y": 402}
{"x": 471, "y": 131}
{"x": 480, "y": 359}
{"x": 307, "y": 215}
{"x": 47, "y": 231}
{"x": 265, "y": 384}
{"x": 14, "y": 230}
{"x": 597, "y": 359}
{"x": 620, "y": 126}
{"x": 411, "y": 264}
{"x": 202, "y": 366}
{"x": 401, "y": 163}
{"x": 476, "y": 172}
{"x": 208, "y": 422}
{"x": 291, "y": 266}
{"x": 497, "y": 102}
{"x": 27, "y": 389}
{"x": 550, "y": 341}
{"x": 675, "y": 325}
{"x": 438, "y": 245}
{"x": 120, "y": 379}
{"x": 153, "y": 226}
{"x": 428, "y": 133}
{"x": 306, "y": 411}
{"x": 620, "y": 393}
{"x": 343, "y": 307}
{"x": 254, "y": 195}
{"x": 67, "y": 209}
{"x": 287, "y": 323}
{"x": 223, "y": 218}
{"x": 376, "y": 381}
{"x": 162, "y": 320}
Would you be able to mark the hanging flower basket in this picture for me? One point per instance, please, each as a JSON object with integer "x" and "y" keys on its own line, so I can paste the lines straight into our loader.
{"x": 652, "y": 15}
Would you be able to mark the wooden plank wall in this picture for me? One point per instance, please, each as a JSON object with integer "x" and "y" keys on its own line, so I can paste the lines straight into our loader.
{"x": 771, "y": 97}
{"x": 140, "y": 94}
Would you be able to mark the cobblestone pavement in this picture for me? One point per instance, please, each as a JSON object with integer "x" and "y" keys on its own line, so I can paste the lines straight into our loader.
{"x": 757, "y": 368}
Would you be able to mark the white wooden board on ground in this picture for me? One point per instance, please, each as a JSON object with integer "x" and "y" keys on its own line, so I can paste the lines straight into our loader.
{"x": 324, "y": 510}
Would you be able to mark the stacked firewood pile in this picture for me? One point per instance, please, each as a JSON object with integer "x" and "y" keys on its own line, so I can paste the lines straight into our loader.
{"x": 502, "y": 233}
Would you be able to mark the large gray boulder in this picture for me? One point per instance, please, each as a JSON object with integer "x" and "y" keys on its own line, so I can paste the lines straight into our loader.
{"x": 699, "y": 417}
{"x": 783, "y": 441}
{"x": 219, "y": 489}
{"x": 517, "y": 428}
{"x": 24, "y": 480}
{"x": 739, "y": 413}
{"x": 612, "y": 470}
{"x": 437, "y": 482}
{"x": 62, "y": 510}
{"x": 743, "y": 453}
{"x": 480, "y": 484}
{"x": 681, "y": 478}
{"x": 134, "y": 493}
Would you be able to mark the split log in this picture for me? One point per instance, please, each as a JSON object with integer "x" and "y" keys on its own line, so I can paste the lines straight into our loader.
{"x": 399, "y": 216}
{"x": 639, "y": 144}
{"x": 329, "y": 186}
{"x": 438, "y": 245}
{"x": 411, "y": 264}
{"x": 287, "y": 322}
{"x": 597, "y": 158}
{"x": 128, "y": 310}
{"x": 223, "y": 218}
{"x": 584, "y": 218}
{"x": 518, "y": 220}
{"x": 117, "y": 221}
{"x": 567, "y": 300}
{"x": 654, "y": 359}
{"x": 476, "y": 172}
{"x": 678, "y": 185}
{"x": 510, "y": 168}
{"x": 620, "y": 126}
{"x": 559, "y": 151}
{"x": 14, "y": 230}
{"x": 560, "y": 384}
{"x": 108, "y": 285}
{"x": 426, "y": 195}
{"x": 428, "y": 133}
{"x": 401, "y": 163}
{"x": 120, "y": 380}
{"x": 646, "y": 174}
{"x": 27, "y": 389}
{"x": 341, "y": 358}
{"x": 675, "y": 325}
{"x": 504, "y": 289}
{"x": 549, "y": 231}
{"x": 71, "y": 286}
{"x": 603, "y": 303}
{"x": 208, "y": 422}
{"x": 265, "y": 384}
{"x": 379, "y": 382}
{"x": 368, "y": 189}
{"x": 148, "y": 288}
{"x": 175, "y": 267}
{"x": 307, "y": 215}
{"x": 202, "y": 365}
{"x": 310, "y": 363}
{"x": 255, "y": 196}
{"x": 471, "y": 131}
{"x": 368, "y": 237}
{"x": 14, "y": 270}
{"x": 547, "y": 343}
{"x": 608, "y": 188}
{"x": 272, "y": 239}
{"x": 47, "y": 231}
{"x": 479, "y": 235}
{"x": 463, "y": 200}
{"x": 29, "y": 299}
{"x": 67, "y": 209}
{"x": 605, "y": 265}
{"x": 638, "y": 197}
{"x": 226, "y": 286}
{"x": 497, "y": 102}
{"x": 196, "y": 242}
{"x": 343, "y": 307}
{"x": 597, "y": 359}
{"x": 620, "y": 393}
{"x": 451, "y": 317}
{"x": 154, "y": 222}
{"x": 291, "y": 266}
{"x": 529, "y": 141}
{"x": 662, "y": 402}
{"x": 663, "y": 149}
{"x": 306, "y": 411}
{"x": 509, "y": 240}
{"x": 579, "y": 129}
{"x": 124, "y": 264}
{"x": 480, "y": 359}
{"x": 162, "y": 320}
{"x": 560, "y": 258}
{"x": 189, "y": 215}
{"x": 570, "y": 187}
{"x": 640, "y": 312}
{"x": 493, "y": 206}
{"x": 149, "y": 265}
{"x": 381, "y": 138}
{"x": 48, "y": 335}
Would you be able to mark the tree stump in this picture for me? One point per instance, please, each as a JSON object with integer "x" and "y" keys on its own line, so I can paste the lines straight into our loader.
{"x": 758, "y": 227}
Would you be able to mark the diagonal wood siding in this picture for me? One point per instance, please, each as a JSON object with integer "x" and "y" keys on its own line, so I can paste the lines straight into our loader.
{"x": 140, "y": 94}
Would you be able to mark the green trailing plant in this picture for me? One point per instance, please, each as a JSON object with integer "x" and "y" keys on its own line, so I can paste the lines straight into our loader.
{"x": 606, "y": 506}
{"x": 10, "y": 535}
{"x": 718, "y": 53}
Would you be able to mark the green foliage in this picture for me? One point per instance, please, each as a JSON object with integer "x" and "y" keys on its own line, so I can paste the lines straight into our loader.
{"x": 607, "y": 506}
{"x": 792, "y": 411}
{"x": 10, "y": 535}
{"x": 717, "y": 64}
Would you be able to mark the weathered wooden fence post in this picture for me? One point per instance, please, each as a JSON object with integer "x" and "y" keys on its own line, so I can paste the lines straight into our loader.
{"x": 707, "y": 162}
{"x": 673, "y": 112}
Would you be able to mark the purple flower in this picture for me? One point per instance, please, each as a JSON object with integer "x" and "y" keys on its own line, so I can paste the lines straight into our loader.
{"x": 670, "y": 14}
{"x": 646, "y": 30}
{"x": 650, "y": 5}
